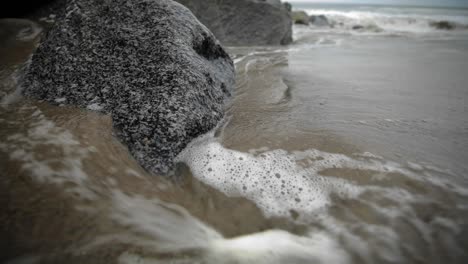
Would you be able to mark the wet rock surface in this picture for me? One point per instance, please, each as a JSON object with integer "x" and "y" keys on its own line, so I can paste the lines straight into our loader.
{"x": 245, "y": 22}
{"x": 300, "y": 17}
{"x": 319, "y": 20}
{"x": 443, "y": 25}
{"x": 151, "y": 65}
{"x": 358, "y": 27}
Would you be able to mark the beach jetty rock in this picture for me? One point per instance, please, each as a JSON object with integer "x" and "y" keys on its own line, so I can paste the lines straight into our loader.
{"x": 358, "y": 27}
{"x": 245, "y": 22}
{"x": 150, "y": 64}
{"x": 319, "y": 20}
{"x": 300, "y": 17}
{"x": 443, "y": 25}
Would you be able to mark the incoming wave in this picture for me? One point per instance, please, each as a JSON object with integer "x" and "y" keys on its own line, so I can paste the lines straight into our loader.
{"x": 393, "y": 20}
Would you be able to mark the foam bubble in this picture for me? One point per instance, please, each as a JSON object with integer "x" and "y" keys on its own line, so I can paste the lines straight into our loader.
{"x": 377, "y": 211}
{"x": 272, "y": 179}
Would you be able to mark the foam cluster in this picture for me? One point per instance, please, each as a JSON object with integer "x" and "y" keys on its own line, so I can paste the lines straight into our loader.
{"x": 272, "y": 179}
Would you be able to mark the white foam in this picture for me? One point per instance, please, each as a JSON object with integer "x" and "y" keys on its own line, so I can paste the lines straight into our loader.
{"x": 275, "y": 246}
{"x": 393, "y": 22}
{"x": 170, "y": 228}
{"x": 273, "y": 179}
{"x": 237, "y": 60}
{"x": 270, "y": 247}
{"x": 280, "y": 182}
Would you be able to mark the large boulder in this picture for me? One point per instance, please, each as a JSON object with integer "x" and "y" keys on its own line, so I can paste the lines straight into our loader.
{"x": 300, "y": 17}
{"x": 245, "y": 22}
{"x": 150, "y": 64}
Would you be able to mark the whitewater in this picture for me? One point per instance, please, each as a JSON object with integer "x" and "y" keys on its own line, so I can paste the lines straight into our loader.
{"x": 390, "y": 19}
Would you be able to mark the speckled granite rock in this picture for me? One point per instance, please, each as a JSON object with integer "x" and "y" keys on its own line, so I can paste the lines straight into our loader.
{"x": 159, "y": 72}
{"x": 245, "y": 22}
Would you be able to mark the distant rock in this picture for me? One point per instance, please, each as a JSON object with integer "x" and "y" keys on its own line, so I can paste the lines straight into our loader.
{"x": 245, "y": 22}
{"x": 444, "y": 25}
{"x": 151, "y": 65}
{"x": 358, "y": 27}
{"x": 300, "y": 17}
{"x": 368, "y": 28}
{"x": 319, "y": 20}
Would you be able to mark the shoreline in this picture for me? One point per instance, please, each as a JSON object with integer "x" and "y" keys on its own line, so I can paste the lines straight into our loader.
{"x": 339, "y": 148}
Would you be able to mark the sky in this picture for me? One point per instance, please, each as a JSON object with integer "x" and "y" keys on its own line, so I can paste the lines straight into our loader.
{"x": 463, "y": 3}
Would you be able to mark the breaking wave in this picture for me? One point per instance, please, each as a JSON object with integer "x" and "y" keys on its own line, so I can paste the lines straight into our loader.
{"x": 306, "y": 187}
{"x": 393, "y": 20}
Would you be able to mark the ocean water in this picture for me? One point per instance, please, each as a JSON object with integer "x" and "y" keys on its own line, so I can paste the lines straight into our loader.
{"x": 391, "y": 20}
{"x": 347, "y": 146}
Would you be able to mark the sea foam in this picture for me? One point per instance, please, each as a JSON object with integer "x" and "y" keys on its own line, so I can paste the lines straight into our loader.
{"x": 272, "y": 179}
{"x": 292, "y": 184}
{"x": 398, "y": 20}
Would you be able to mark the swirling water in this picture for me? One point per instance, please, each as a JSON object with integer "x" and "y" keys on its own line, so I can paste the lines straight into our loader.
{"x": 339, "y": 148}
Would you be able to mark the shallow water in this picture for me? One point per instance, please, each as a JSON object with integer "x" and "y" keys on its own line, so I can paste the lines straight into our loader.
{"x": 337, "y": 149}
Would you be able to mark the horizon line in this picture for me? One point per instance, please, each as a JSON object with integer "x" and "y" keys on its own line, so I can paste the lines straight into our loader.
{"x": 433, "y": 4}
